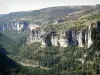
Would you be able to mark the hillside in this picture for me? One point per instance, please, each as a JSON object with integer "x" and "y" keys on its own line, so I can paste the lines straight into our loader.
{"x": 7, "y": 42}
{"x": 44, "y": 16}
{"x": 77, "y": 20}
{"x": 53, "y": 60}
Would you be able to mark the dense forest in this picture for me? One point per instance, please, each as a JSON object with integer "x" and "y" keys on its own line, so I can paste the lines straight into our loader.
{"x": 52, "y": 60}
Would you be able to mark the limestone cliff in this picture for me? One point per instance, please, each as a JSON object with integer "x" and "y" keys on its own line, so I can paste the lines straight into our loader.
{"x": 14, "y": 25}
{"x": 72, "y": 37}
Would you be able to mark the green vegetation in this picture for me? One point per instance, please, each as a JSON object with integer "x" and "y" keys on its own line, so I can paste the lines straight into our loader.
{"x": 43, "y": 16}
{"x": 56, "y": 60}
{"x": 51, "y": 60}
{"x": 62, "y": 61}
{"x": 7, "y": 42}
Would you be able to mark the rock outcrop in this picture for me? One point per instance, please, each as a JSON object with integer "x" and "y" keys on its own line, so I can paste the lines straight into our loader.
{"x": 71, "y": 37}
{"x": 35, "y": 34}
{"x": 14, "y": 25}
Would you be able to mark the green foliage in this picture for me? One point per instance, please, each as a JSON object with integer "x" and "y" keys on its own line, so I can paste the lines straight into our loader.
{"x": 52, "y": 60}
{"x": 94, "y": 16}
{"x": 96, "y": 38}
{"x": 57, "y": 61}
{"x": 7, "y": 42}
{"x": 48, "y": 15}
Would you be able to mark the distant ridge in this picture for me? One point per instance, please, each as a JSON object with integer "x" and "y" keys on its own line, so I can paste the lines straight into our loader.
{"x": 45, "y": 15}
{"x": 97, "y": 4}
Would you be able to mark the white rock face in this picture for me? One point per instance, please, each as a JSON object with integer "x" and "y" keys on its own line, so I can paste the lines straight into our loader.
{"x": 86, "y": 37}
{"x": 34, "y": 35}
{"x": 19, "y": 26}
{"x": 43, "y": 44}
{"x": 3, "y": 28}
{"x": 81, "y": 60}
{"x": 63, "y": 42}
{"x": 89, "y": 37}
{"x": 79, "y": 39}
{"x": 54, "y": 40}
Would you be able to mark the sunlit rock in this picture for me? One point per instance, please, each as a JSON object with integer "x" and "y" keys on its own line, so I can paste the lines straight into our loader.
{"x": 89, "y": 37}
{"x": 14, "y": 25}
{"x": 81, "y": 60}
{"x": 63, "y": 42}
{"x": 79, "y": 39}
{"x": 71, "y": 37}
{"x": 43, "y": 44}
{"x": 34, "y": 34}
{"x": 54, "y": 40}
